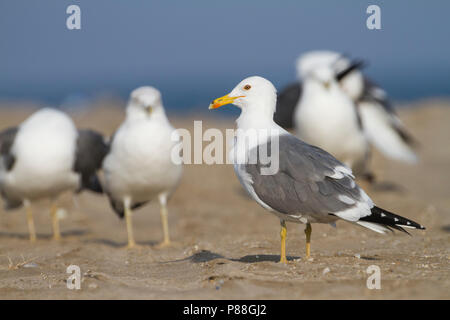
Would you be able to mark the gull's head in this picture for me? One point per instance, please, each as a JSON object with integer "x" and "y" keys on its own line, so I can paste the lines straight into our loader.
{"x": 346, "y": 72}
{"x": 314, "y": 59}
{"x": 318, "y": 67}
{"x": 253, "y": 93}
{"x": 323, "y": 75}
{"x": 144, "y": 102}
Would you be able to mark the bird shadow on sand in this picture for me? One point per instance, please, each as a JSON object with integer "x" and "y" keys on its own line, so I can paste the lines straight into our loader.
{"x": 360, "y": 257}
{"x": 262, "y": 258}
{"x": 48, "y": 236}
{"x": 206, "y": 256}
{"x": 369, "y": 258}
{"x": 118, "y": 244}
{"x": 446, "y": 228}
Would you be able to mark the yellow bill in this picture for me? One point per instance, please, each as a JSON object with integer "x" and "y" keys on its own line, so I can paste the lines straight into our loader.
{"x": 222, "y": 101}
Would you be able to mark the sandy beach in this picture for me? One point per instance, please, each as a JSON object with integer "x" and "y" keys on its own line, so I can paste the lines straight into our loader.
{"x": 225, "y": 245}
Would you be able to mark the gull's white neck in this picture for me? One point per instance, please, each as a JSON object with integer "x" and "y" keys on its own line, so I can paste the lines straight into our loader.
{"x": 136, "y": 113}
{"x": 257, "y": 117}
{"x": 254, "y": 119}
{"x": 314, "y": 88}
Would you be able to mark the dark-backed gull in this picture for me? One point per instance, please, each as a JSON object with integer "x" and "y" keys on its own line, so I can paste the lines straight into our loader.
{"x": 380, "y": 124}
{"x": 45, "y": 156}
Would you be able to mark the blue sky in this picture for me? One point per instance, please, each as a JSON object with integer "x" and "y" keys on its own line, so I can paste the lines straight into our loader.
{"x": 198, "y": 49}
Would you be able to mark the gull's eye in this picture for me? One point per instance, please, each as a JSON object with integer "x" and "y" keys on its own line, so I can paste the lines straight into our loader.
{"x": 247, "y": 87}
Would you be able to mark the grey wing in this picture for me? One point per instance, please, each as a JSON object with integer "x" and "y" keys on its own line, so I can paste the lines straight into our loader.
{"x": 90, "y": 152}
{"x": 373, "y": 93}
{"x": 7, "y": 137}
{"x": 286, "y": 102}
{"x": 309, "y": 181}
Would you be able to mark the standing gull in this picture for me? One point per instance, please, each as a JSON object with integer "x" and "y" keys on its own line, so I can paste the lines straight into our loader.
{"x": 379, "y": 120}
{"x": 327, "y": 117}
{"x": 139, "y": 166}
{"x": 45, "y": 156}
{"x": 383, "y": 127}
{"x": 311, "y": 186}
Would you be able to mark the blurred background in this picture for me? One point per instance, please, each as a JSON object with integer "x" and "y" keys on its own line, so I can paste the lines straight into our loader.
{"x": 196, "y": 50}
{"x": 225, "y": 244}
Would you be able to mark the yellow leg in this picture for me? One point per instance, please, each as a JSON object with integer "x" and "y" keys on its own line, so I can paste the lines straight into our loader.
{"x": 128, "y": 217}
{"x": 308, "y": 231}
{"x": 30, "y": 221}
{"x": 165, "y": 226}
{"x": 283, "y": 233}
{"x": 55, "y": 222}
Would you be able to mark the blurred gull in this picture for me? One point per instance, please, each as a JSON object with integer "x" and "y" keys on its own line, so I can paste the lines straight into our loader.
{"x": 311, "y": 186}
{"x": 45, "y": 156}
{"x": 326, "y": 116}
{"x": 383, "y": 127}
{"x": 379, "y": 121}
{"x": 139, "y": 167}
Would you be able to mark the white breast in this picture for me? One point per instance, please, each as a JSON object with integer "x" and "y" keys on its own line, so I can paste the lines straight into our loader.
{"x": 44, "y": 150}
{"x": 327, "y": 118}
{"x": 139, "y": 164}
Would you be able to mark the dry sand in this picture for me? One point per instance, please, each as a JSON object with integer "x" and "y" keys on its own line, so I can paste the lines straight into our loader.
{"x": 226, "y": 246}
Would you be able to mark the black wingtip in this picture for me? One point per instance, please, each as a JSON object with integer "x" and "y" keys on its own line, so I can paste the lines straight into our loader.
{"x": 91, "y": 183}
{"x": 391, "y": 220}
{"x": 356, "y": 64}
{"x": 8, "y": 203}
{"x": 118, "y": 206}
